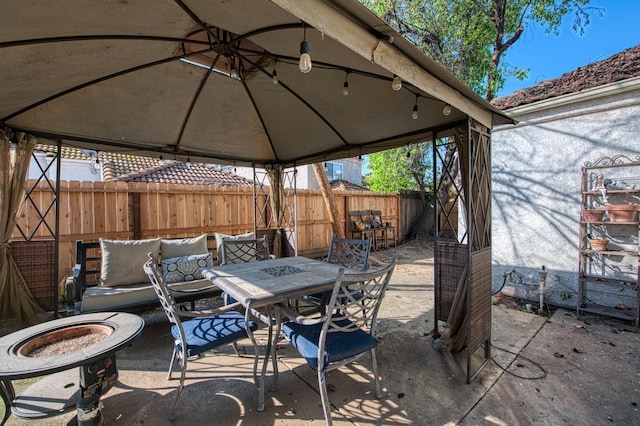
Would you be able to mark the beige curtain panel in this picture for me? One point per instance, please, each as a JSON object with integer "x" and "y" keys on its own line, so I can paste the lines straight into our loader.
{"x": 275, "y": 173}
{"x": 16, "y": 301}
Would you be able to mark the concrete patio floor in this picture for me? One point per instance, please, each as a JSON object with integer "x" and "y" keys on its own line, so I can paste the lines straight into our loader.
{"x": 576, "y": 371}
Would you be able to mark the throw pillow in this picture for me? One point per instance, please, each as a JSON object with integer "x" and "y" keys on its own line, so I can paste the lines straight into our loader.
{"x": 184, "y": 246}
{"x": 222, "y": 237}
{"x": 185, "y": 268}
{"x": 122, "y": 260}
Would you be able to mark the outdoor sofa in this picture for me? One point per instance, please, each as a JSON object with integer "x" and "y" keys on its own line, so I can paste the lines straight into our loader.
{"x": 109, "y": 274}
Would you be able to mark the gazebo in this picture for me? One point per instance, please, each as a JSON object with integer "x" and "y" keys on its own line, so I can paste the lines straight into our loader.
{"x": 262, "y": 83}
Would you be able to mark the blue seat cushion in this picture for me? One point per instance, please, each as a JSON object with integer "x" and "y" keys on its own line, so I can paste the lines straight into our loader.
{"x": 206, "y": 333}
{"x": 338, "y": 346}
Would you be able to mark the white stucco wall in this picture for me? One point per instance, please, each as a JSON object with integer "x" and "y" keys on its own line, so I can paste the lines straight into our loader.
{"x": 536, "y": 183}
{"x": 351, "y": 171}
{"x": 70, "y": 169}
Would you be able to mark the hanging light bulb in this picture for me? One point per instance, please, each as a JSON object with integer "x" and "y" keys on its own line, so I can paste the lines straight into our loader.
{"x": 160, "y": 160}
{"x": 345, "y": 86}
{"x": 96, "y": 166}
{"x": 414, "y": 112}
{"x": 305, "y": 58}
{"x": 274, "y": 75}
{"x": 188, "y": 163}
{"x": 396, "y": 84}
{"x": 446, "y": 110}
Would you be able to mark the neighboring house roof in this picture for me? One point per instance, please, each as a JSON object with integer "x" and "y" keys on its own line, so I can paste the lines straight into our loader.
{"x": 345, "y": 185}
{"x": 118, "y": 167}
{"x": 621, "y": 66}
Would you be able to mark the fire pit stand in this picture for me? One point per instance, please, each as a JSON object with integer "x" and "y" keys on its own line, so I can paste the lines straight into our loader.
{"x": 21, "y": 357}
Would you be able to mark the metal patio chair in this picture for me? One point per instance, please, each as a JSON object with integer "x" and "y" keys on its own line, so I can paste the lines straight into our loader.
{"x": 241, "y": 251}
{"x": 349, "y": 253}
{"x": 345, "y": 332}
{"x": 202, "y": 332}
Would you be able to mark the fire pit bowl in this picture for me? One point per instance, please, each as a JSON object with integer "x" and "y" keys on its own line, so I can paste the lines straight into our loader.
{"x": 88, "y": 341}
{"x": 64, "y": 340}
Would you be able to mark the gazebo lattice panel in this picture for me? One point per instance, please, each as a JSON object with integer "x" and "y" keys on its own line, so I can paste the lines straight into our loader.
{"x": 462, "y": 177}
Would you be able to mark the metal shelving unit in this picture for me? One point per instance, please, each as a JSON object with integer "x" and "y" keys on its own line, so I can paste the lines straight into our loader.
{"x": 610, "y": 180}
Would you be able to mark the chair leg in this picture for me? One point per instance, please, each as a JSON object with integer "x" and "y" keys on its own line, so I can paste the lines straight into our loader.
{"x": 179, "y": 391}
{"x": 326, "y": 406}
{"x": 173, "y": 361}
{"x": 8, "y": 394}
{"x": 374, "y": 364}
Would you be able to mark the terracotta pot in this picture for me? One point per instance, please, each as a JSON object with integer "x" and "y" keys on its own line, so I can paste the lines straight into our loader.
{"x": 593, "y": 215}
{"x": 599, "y": 244}
{"x": 622, "y": 212}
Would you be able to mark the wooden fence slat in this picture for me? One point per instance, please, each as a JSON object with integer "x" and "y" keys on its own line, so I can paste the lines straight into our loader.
{"x": 89, "y": 210}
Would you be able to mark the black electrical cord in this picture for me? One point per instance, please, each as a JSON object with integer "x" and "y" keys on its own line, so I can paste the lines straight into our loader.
{"x": 506, "y": 369}
{"x": 504, "y": 281}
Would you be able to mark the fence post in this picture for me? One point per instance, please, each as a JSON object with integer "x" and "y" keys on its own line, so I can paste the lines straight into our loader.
{"x": 137, "y": 226}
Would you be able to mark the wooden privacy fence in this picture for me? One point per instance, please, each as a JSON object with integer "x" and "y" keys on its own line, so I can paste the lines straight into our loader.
{"x": 119, "y": 210}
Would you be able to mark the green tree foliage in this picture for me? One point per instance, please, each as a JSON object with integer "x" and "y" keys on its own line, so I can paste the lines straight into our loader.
{"x": 470, "y": 37}
{"x": 401, "y": 168}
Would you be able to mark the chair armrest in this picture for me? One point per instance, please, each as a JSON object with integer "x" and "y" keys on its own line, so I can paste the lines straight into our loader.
{"x": 71, "y": 291}
{"x": 208, "y": 312}
{"x": 300, "y": 319}
{"x": 193, "y": 290}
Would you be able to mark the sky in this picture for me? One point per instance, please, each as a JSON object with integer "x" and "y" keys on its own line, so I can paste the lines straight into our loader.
{"x": 549, "y": 56}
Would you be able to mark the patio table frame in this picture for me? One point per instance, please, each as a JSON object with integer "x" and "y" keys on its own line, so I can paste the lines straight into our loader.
{"x": 262, "y": 284}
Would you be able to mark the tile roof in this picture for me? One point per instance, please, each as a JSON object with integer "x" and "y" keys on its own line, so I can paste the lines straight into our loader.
{"x": 118, "y": 167}
{"x": 621, "y": 66}
{"x": 345, "y": 185}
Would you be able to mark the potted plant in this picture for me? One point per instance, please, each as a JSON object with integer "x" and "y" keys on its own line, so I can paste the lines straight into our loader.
{"x": 622, "y": 212}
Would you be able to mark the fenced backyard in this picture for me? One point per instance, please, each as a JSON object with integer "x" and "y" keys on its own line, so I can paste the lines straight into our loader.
{"x": 119, "y": 210}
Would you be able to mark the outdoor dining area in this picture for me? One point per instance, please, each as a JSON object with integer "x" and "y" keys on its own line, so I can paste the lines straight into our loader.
{"x": 261, "y": 329}
{"x": 419, "y": 384}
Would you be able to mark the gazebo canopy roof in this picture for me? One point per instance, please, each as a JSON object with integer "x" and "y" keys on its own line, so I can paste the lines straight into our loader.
{"x": 194, "y": 79}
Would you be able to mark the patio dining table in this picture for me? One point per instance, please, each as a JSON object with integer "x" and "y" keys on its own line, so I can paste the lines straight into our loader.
{"x": 264, "y": 283}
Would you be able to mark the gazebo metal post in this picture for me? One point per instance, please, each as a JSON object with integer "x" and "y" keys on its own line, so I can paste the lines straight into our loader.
{"x": 479, "y": 224}
{"x": 462, "y": 254}
{"x": 265, "y": 217}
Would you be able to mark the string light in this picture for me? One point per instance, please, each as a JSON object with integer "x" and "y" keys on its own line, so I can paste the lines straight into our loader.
{"x": 396, "y": 84}
{"x": 274, "y": 74}
{"x": 95, "y": 165}
{"x": 345, "y": 86}
{"x": 446, "y": 110}
{"x": 414, "y": 112}
{"x": 305, "y": 57}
